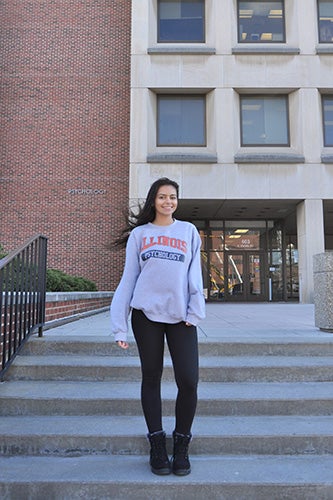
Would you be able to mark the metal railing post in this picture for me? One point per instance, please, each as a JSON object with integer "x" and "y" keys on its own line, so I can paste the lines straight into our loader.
{"x": 22, "y": 297}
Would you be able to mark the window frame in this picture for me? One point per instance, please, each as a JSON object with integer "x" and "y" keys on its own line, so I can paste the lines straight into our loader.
{"x": 323, "y": 98}
{"x": 318, "y": 22}
{"x": 181, "y": 96}
{"x": 265, "y": 96}
{"x": 203, "y": 40}
{"x": 240, "y": 41}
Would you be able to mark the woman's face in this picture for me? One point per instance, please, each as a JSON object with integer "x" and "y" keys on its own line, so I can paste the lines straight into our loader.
{"x": 166, "y": 201}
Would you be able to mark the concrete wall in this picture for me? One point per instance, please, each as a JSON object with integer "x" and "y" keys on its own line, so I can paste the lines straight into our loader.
{"x": 224, "y": 69}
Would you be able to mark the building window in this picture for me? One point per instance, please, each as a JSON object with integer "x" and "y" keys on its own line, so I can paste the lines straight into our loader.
{"x": 181, "y": 120}
{"x": 181, "y": 21}
{"x": 328, "y": 120}
{"x": 261, "y": 22}
{"x": 325, "y": 21}
{"x": 264, "y": 120}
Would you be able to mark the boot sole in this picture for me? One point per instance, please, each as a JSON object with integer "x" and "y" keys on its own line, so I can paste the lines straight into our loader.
{"x": 161, "y": 472}
{"x": 182, "y": 472}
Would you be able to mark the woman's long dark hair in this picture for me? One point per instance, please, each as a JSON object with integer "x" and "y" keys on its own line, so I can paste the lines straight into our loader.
{"x": 146, "y": 212}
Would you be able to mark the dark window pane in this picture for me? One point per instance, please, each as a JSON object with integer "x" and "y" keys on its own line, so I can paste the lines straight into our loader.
{"x": 181, "y": 21}
{"x": 325, "y": 20}
{"x": 264, "y": 121}
{"x": 261, "y": 22}
{"x": 181, "y": 121}
{"x": 328, "y": 120}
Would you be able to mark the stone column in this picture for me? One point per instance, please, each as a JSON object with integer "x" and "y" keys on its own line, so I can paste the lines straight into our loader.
{"x": 323, "y": 290}
{"x": 310, "y": 241}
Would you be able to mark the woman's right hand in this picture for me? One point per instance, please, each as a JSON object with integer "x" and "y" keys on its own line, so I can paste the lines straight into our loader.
{"x": 122, "y": 344}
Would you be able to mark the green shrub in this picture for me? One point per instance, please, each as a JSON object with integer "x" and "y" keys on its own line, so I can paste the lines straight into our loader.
{"x": 58, "y": 281}
{"x": 2, "y": 252}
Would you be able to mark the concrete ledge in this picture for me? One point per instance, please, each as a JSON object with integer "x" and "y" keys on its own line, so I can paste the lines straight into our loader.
{"x": 268, "y": 158}
{"x": 15, "y": 297}
{"x": 181, "y": 158}
{"x": 327, "y": 158}
{"x": 64, "y": 296}
{"x": 324, "y": 49}
{"x": 257, "y": 49}
{"x": 182, "y": 50}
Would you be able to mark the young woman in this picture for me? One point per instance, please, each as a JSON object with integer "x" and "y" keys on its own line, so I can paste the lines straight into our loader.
{"x": 162, "y": 285}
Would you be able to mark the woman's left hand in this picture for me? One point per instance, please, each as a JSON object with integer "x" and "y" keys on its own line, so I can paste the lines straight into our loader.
{"x": 122, "y": 344}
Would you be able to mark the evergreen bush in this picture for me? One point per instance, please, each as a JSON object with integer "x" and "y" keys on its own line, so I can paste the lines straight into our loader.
{"x": 58, "y": 281}
{"x": 2, "y": 252}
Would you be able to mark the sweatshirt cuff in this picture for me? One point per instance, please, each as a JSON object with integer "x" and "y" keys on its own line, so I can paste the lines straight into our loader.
{"x": 122, "y": 336}
{"x": 194, "y": 320}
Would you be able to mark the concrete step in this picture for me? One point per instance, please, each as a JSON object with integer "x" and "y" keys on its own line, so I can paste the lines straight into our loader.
{"x": 122, "y": 398}
{"x": 118, "y": 435}
{"x": 71, "y": 423}
{"x": 235, "y": 346}
{"x": 212, "y": 368}
{"x": 305, "y": 477}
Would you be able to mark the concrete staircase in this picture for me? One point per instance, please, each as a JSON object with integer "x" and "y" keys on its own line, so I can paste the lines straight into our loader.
{"x": 71, "y": 424}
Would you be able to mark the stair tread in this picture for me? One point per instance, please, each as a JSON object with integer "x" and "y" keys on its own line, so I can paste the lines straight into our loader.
{"x": 128, "y": 390}
{"x": 220, "y": 426}
{"x": 234, "y": 339}
{"x": 93, "y": 453}
{"x": 205, "y": 361}
{"x": 254, "y": 469}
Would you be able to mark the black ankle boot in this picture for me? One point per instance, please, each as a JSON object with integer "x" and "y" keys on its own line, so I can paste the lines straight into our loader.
{"x": 180, "y": 462}
{"x": 159, "y": 460}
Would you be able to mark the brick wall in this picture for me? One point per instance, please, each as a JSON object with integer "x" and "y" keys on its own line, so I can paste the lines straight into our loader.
{"x": 59, "y": 305}
{"x": 64, "y": 144}
{"x": 63, "y": 305}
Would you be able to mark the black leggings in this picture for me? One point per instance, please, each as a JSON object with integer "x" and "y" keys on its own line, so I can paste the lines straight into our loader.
{"x": 183, "y": 347}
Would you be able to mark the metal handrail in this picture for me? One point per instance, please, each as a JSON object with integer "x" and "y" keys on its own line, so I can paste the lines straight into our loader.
{"x": 22, "y": 297}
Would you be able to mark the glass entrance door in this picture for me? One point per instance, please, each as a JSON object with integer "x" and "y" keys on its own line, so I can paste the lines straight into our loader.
{"x": 245, "y": 276}
{"x": 242, "y": 260}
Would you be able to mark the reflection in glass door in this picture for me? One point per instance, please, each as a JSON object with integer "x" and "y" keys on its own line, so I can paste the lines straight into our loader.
{"x": 216, "y": 275}
{"x": 245, "y": 276}
{"x": 236, "y": 275}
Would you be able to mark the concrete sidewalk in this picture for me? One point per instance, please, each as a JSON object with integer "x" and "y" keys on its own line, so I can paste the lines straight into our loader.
{"x": 264, "y": 321}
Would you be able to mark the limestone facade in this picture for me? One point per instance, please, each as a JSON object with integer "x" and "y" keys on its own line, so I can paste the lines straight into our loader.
{"x": 294, "y": 181}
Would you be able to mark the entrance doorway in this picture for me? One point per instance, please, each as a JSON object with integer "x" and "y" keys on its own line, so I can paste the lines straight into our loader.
{"x": 246, "y": 260}
{"x": 245, "y": 276}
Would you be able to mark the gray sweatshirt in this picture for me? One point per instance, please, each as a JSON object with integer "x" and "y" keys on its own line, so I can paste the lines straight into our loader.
{"x": 162, "y": 277}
